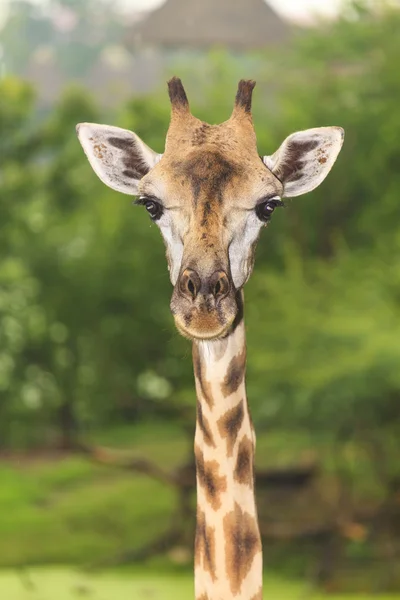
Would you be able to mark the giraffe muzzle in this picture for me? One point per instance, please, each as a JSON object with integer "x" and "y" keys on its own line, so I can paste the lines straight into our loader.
{"x": 204, "y": 307}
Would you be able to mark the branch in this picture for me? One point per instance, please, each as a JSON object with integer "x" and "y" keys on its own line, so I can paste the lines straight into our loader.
{"x": 119, "y": 460}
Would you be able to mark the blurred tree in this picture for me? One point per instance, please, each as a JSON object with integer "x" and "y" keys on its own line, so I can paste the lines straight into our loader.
{"x": 323, "y": 302}
{"x": 96, "y": 323}
{"x": 86, "y": 333}
{"x": 86, "y": 336}
{"x": 70, "y": 33}
{"x": 345, "y": 72}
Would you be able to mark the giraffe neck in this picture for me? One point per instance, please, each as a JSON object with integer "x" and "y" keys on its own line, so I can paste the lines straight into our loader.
{"x": 228, "y": 558}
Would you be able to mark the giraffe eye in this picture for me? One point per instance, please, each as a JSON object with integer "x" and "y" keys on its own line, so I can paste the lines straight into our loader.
{"x": 154, "y": 209}
{"x": 265, "y": 209}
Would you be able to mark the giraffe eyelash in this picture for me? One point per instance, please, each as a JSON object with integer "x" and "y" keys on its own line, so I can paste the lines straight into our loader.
{"x": 152, "y": 205}
{"x": 141, "y": 201}
{"x": 266, "y": 207}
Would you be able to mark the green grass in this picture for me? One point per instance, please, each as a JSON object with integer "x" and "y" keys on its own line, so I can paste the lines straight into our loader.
{"x": 62, "y": 584}
{"x": 43, "y": 521}
{"x": 162, "y": 442}
{"x": 68, "y": 510}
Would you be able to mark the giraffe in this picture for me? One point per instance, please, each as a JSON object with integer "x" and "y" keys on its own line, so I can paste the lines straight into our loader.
{"x": 210, "y": 193}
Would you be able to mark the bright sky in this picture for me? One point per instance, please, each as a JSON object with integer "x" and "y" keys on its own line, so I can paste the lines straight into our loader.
{"x": 298, "y": 10}
{"x": 305, "y": 10}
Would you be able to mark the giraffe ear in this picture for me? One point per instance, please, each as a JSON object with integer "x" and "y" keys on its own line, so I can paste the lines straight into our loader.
{"x": 305, "y": 158}
{"x": 118, "y": 156}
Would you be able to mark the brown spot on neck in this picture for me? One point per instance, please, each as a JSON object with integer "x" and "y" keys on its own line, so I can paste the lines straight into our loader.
{"x": 242, "y": 545}
{"x": 229, "y": 425}
{"x": 235, "y": 374}
{"x": 204, "y": 426}
{"x": 208, "y": 477}
{"x": 204, "y": 547}
{"x": 244, "y": 463}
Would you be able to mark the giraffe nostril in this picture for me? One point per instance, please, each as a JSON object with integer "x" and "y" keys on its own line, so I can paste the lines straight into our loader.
{"x": 219, "y": 285}
{"x": 191, "y": 287}
{"x": 189, "y": 284}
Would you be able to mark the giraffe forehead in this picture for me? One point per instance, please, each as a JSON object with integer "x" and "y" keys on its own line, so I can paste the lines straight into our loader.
{"x": 210, "y": 165}
{"x": 207, "y": 176}
{"x": 193, "y": 133}
{"x": 208, "y": 173}
{"x": 209, "y": 160}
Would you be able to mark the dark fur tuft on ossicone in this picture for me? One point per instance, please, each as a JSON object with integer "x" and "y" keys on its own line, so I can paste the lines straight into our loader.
{"x": 177, "y": 93}
{"x": 244, "y": 94}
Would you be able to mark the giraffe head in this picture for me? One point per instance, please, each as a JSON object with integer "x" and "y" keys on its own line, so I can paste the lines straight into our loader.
{"x": 210, "y": 194}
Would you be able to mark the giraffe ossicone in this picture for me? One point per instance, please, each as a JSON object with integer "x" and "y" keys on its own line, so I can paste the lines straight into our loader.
{"x": 210, "y": 193}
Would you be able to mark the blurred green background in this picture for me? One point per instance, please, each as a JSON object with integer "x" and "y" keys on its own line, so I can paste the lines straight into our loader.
{"x": 96, "y": 387}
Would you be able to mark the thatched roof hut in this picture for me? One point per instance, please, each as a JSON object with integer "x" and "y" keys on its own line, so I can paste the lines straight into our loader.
{"x": 236, "y": 24}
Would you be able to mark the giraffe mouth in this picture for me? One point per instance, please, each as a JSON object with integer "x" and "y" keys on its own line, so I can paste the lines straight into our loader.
{"x": 204, "y": 320}
{"x": 203, "y": 334}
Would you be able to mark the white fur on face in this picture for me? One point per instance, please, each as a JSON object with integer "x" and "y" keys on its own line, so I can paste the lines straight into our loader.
{"x": 241, "y": 249}
{"x": 173, "y": 243}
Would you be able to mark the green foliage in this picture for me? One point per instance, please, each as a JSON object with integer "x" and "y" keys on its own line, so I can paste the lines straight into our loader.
{"x": 86, "y": 333}
{"x": 86, "y": 337}
{"x": 324, "y": 315}
{"x": 67, "y": 33}
{"x": 80, "y": 320}
{"x": 345, "y": 73}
